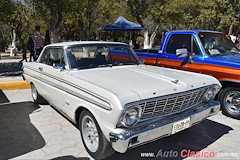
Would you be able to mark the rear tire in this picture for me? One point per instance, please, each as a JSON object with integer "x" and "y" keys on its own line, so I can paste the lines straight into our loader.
{"x": 37, "y": 98}
{"x": 230, "y": 101}
{"x": 93, "y": 139}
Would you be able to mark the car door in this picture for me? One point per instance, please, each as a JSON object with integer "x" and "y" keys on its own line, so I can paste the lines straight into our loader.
{"x": 168, "y": 56}
{"x": 51, "y": 66}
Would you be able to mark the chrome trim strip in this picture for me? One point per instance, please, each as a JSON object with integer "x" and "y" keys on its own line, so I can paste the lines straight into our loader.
{"x": 72, "y": 84}
{"x": 71, "y": 92}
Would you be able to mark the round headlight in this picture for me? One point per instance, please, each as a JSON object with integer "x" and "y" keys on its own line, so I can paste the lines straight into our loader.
{"x": 132, "y": 116}
{"x": 210, "y": 94}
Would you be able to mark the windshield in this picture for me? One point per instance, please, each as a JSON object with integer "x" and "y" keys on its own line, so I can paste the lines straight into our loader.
{"x": 92, "y": 56}
{"x": 217, "y": 44}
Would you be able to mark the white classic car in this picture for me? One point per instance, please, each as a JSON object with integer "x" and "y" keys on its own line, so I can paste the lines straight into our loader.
{"x": 117, "y": 101}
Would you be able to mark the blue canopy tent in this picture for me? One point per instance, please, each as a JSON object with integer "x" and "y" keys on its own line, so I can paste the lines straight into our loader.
{"x": 121, "y": 24}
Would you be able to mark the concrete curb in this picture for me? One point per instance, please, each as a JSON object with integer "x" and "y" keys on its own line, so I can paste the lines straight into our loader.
{"x": 14, "y": 85}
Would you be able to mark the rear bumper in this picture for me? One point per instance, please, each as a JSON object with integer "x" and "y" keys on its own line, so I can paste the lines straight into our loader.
{"x": 124, "y": 139}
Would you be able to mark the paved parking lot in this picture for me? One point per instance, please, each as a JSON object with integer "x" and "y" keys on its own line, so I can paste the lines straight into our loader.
{"x": 30, "y": 131}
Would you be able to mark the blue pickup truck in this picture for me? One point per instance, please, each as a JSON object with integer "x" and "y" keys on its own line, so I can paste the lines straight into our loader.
{"x": 207, "y": 52}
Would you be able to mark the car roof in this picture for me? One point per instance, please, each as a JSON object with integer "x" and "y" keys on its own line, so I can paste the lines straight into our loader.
{"x": 194, "y": 31}
{"x": 73, "y": 43}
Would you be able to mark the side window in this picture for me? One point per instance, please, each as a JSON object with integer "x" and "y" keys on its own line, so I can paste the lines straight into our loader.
{"x": 56, "y": 57}
{"x": 178, "y": 41}
{"x": 45, "y": 57}
{"x": 53, "y": 57}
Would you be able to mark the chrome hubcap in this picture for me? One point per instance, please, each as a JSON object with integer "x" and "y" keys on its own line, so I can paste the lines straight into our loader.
{"x": 90, "y": 133}
{"x": 232, "y": 101}
{"x": 34, "y": 92}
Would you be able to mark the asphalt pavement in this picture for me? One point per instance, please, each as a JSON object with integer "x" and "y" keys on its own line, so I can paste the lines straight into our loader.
{"x": 30, "y": 131}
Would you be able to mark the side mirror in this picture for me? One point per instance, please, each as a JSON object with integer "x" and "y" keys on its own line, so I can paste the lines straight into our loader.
{"x": 183, "y": 52}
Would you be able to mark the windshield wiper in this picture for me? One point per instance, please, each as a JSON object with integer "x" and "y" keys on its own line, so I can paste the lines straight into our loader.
{"x": 105, "y": 65}
{"x": 124, "y": 63}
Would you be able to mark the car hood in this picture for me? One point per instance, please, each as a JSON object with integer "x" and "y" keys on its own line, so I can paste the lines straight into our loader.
{"x": 143, "y": 81}
{"x": 226, "y": 60}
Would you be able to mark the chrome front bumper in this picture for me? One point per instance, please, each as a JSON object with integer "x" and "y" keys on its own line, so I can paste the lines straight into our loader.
{"x": 123, "y": 139}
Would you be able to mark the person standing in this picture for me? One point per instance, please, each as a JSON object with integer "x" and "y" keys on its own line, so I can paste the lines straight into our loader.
{"x": 24, "y": 53}
{"x": 47, "y": 38}
{"x": 30, "y": 46}
{"x": 233, "y": 38}
{"x": 38, "y": 41}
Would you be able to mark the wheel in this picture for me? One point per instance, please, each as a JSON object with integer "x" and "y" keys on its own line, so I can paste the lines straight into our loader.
{"x": 230, "y": 101}
{"x": 37, "y": 98}
{"x": 93, "y": 139}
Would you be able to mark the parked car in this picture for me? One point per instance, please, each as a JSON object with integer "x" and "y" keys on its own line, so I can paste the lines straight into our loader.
{"x": 206, "y": 52}
{"x": 118, "y": 102}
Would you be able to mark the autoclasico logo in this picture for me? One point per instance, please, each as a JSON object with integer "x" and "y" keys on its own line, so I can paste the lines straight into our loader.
{"x": 185, "y": 153}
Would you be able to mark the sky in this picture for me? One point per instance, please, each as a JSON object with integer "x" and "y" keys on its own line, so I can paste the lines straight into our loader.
{"x": 21, "y": 1}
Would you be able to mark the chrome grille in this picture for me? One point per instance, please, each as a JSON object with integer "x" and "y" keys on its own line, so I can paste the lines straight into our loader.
{"x": 176, "y": 103}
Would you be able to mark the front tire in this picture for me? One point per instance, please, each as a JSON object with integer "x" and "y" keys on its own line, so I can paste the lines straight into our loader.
{"x": 93, "y": 139}
{"x": 230, "y": 101}
{"x": 37, "y": 98}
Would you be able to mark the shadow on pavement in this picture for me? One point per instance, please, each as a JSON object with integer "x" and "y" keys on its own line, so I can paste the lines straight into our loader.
{"x": 70, "y": 158}
{"x": 17, "y": 134}
{"x": 3, "y": 98}
{"x": 10, "y": 69}
{"x": 195, "y": 139}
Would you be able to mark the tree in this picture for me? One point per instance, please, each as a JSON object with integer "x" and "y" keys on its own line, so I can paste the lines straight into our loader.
{"x": 148, "y": 14}
{"x": 234, "y": 13}
{"x": 16, "y": 17}
{"x": 86, "y": 13}
{"x": 81, "y": 19}
{"x": 52, "y": 11}
{"x": 86, "y": 16}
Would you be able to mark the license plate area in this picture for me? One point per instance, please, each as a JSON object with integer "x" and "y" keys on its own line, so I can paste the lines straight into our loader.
{"x": 181, "y": 125}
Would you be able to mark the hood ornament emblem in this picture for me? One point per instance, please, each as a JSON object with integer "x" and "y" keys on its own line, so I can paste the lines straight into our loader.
{"x": 175, "y": 81}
